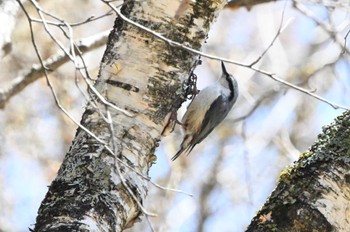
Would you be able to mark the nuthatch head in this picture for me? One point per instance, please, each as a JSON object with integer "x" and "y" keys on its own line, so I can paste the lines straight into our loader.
{"x": 207, "y": 110}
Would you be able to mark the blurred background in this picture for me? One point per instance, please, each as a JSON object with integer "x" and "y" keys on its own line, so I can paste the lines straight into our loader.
{"x": 233, "y": 171}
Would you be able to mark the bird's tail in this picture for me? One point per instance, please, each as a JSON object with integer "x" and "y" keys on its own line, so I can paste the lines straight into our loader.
{"x": 186, "y": 147}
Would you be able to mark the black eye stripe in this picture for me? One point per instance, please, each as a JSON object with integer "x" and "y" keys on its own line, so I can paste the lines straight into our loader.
{"x": 230, "y": 85}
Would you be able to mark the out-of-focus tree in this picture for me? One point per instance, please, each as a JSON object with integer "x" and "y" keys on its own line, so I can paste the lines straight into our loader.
{"x": 233, "y": 171}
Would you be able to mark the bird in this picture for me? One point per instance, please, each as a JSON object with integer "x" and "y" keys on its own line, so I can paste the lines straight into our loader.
{"x": 207, "y": 110}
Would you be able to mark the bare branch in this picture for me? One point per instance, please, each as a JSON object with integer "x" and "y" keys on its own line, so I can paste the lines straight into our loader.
{"x": 52, "y": 63}
{"x": 150, "y": 224}
{"x": 209, "y": 187}
{"x": 63, "y": 24}
{"x": 46, "y": 27}
{"x": 308, "y": 92}
{"x": 69, "y": 53}
{"x": 255, "y": 106}
{"x": 281, "y": 28}
{"x": 48, "y": 80}
{"x": 326, "y": 27}
{"x": 345, "y": 40}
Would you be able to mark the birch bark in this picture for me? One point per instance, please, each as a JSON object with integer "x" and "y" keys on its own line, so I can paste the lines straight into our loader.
{"x": 101, "y": 186}
{"x": 314, "y": 194}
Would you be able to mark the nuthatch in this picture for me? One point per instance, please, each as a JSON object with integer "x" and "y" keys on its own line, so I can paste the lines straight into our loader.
{"x": 207, "y": 110}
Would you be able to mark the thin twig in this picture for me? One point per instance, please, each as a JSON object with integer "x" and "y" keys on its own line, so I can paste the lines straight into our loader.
{"x": 150, "y": 224}
{"x": 88, "y": 20}
{"x": 308, "y": 92}
{"x": 281, "y": 28}
{"x": 71, "y": 55}
{"x": 63, "y": 56}
{"x": 252, "y": 110}
{"x": 47, "y": 78}
{"x": 345, "y": 40}
{"x": 324, "y": 26}
{"x": 46, "y": 27}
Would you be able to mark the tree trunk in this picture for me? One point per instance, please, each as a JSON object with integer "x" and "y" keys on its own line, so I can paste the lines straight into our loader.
{"x": 103, "y": 179}
{"x": 314, "y": 194}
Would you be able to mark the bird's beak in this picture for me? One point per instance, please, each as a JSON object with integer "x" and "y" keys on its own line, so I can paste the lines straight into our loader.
{"x": 223, "y": 68}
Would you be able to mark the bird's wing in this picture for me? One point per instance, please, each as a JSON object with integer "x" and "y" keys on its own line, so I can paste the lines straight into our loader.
{"x": 197, "y": 109}
{"x": 216, "y": 113}
{"x": 186, "y": 147}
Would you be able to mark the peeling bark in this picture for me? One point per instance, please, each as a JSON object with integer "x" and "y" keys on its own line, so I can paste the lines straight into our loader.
{"x": 314, "y": 194}
{"x": 99, "y": 190}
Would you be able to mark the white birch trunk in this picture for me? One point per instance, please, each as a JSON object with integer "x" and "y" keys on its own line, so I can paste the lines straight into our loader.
{"x": 94, "y": 190}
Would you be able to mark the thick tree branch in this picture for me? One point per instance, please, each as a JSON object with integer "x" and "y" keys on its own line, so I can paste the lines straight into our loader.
{"x": 313, "y": 194}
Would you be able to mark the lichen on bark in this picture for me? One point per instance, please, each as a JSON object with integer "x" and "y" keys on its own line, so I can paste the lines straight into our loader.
{"x": 103, "y": 185}
{"x": 310, "y": 193}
